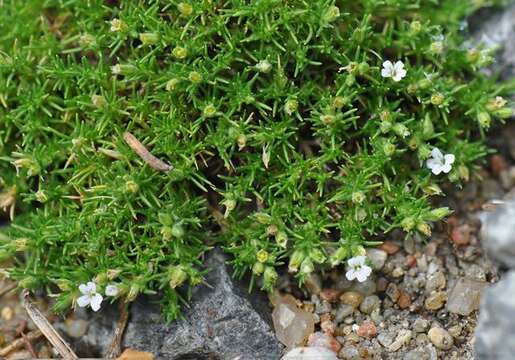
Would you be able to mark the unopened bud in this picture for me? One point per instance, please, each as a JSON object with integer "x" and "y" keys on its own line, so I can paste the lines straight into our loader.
{"x": 171, "y": 84}
{"x": 195, "y": 77}
{"x": 185, "y": 9}
{"x": 179, "y": 52}
{"x": 408, "y": 224}
{"x": 262, "y": 256}
{"x": 296, "y": 259}
{"x": 424, "y": 228}
{"x": 439, "y": 213}
{"x": 41, "y": 196}
{"x": 264, "y": 66}
{"x": 338, "y": 256}
{"x": 177, "y": 276}
{"x": 131, "y": 187}
{"x": 149, "y": 38}
{"x": 484, "y": 119}
{"x": 263, "y": 218}
{"x": 291, "y": 106}
{"x": 281, "y": 239}
{"x": 358, "y": 197}
{"x": 437, "y": 99}
{"x": 269, "y": 277}
{"x": 332, "y": 14}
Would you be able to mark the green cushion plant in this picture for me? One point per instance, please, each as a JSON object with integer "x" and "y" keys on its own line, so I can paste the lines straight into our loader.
{"x": 136, "y": 135}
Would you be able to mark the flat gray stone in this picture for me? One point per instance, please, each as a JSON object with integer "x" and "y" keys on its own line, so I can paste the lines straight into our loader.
{"x": 498, "y": 233}
{"x": 223, "y": 322}
{"x": 497, "y": 29}
{"x": 496, "y": 328}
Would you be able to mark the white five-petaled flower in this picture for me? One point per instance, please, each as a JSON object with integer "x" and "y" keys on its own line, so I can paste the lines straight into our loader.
{"x": 111, "y": 290}
{"x": 395, "y": 71}
{"x": 439, "y": 162}
{"x": 358, "y": 269}
{"x": 89, "y": 296}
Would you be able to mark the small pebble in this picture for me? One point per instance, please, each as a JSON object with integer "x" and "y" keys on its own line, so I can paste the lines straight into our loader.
{"x": 330, "y": 295}
{"x": 455, "y": 330}
{"x": 328, "y": 327}
{"x": 435, "y": 300}
{"x": 349, "y": 353}
{"x": 404, "y": 300}
{"x": 7, "y": 313}
{"x": 498, "y": 163}
{"x": 385, "y": 339}
{"x": 389, "y": 247}
{"x": 461, "y": 235}
{"x": 440, "y": 338}
{"x": 369, "y": 304}
{"x": 351, "y": 298}
{"x": 403, "y": 337}
{"x": 397, "y": 272}
{"x": 381, "y": 284}
{"x": 435, "y": 281}
{"x": 342, "y": 312}
{"x": 420, "y": 325}
{"x": 377, "y": 257}
{"x": 308, "y": 353}
{"x": 367, "y": 329}
{"x": 411, "y": 261}
{"x": 313, "y": 283}
{"x": 392, "y": 291}
{"x": 76, "y": 328}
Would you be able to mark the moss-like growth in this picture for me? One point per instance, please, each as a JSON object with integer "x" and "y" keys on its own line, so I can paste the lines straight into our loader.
{"x": 291, "y": 139}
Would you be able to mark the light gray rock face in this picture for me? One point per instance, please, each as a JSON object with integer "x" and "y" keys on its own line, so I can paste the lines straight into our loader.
{"x": 498, "y": 30}
{"x": 223, "y": 322}
{"x": 498, "y": 233}
{"x": 494, "y": 334}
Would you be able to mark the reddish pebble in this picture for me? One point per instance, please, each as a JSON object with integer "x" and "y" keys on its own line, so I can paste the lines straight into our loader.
{"x": 367, "y": 329}
{"x": 461, "y": 235}
{"x": 334, "y": 344}
{"x": 390, "y": 247}
{"x": 411, "y": 261}
{"x": 381, "y": 284}
{"x": 330, "y": 295}
{"x": 452, "y": 221}
{"x": 498, "y": 164}
{"x": 404, "y": 300}
{"x": 328, "y": 327}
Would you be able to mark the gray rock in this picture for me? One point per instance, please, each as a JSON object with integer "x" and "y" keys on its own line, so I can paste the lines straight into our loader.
{"x": 369, "y": 304}
{"x": 367, "y": 287}
{"x": 498, "y": 233}
{"x": 420, "y": 325}
{"x": 342, "y": 312}
{"x": 349, "y": 353}
{"x": 222, "y": 322}
{"x": 440, "y": 338}
{"x": 377, "y": 257}
{"x": 498, "y": 30}
{"x": 465, "y": 296}
{"x": 494, "y": 333}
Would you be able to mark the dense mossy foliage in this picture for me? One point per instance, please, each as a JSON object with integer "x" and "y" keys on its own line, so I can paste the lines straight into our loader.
{"x": 290, "y": 141}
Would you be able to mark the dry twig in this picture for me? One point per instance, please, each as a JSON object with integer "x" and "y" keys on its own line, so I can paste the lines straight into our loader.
{"x": 115, "y": 347}
{"x": 46, "y": 328}
{"x": 18, "y": 343}
{"x": 144, "y": 154}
